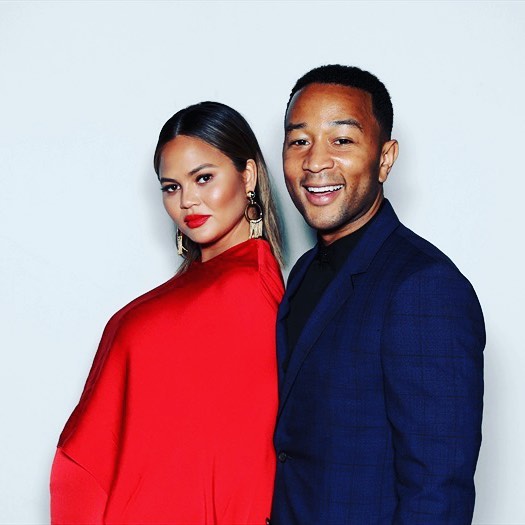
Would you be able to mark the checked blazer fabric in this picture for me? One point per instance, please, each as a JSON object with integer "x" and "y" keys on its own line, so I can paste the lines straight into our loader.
{"x": 380, "y": 406}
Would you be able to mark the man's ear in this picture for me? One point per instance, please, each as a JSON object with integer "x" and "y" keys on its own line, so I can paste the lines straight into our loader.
{"x": 249, "y": 175}
{"x": 389, "y": 153}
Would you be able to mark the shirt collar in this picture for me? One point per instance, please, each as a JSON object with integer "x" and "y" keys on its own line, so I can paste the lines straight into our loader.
{"x": 335, "y": 254}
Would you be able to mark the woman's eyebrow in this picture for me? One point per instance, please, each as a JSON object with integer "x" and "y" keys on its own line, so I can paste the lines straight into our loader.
{"x": 201, "y": 167}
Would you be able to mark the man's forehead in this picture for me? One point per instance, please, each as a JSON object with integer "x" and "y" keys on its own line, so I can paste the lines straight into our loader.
{"x": 328, "y": 102}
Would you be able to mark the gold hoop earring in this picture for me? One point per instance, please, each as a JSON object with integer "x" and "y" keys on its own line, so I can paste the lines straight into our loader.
{"x": 181, "y": 249}
{"x": 254, "y": 216}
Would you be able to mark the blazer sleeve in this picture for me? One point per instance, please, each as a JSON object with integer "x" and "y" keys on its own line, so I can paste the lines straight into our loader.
{"x": 432, "y": 358}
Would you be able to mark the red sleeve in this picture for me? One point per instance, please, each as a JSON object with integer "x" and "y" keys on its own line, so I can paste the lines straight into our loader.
{"x": 93, "y": 433}
{"x": 76, "y": 497}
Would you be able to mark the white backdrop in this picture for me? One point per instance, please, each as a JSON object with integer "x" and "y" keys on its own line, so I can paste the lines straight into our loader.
{"x": 84, "y": 90}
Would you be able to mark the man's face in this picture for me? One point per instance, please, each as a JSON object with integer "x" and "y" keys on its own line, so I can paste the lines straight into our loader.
{"x": 332, "y": 157}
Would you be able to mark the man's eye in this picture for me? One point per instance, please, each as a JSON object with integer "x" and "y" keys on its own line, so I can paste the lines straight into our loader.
{"x": 299, "y": 142}
{"x": 343, "y": 141}
{"x": 203, "y": 179}
{"x": 169, "y": 188}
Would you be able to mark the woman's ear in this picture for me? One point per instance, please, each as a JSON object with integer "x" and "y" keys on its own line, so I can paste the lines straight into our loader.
{"x": 249, "y": 175}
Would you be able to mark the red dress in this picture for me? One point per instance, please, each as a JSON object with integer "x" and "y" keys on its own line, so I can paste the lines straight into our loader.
{"x": 176, "y": 420}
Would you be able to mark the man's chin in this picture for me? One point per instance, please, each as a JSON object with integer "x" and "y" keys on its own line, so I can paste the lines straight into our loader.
{"x": 322, "y": 225}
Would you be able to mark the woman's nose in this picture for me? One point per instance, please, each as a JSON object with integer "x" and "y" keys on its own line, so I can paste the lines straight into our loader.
{"x": 189, "y": 197}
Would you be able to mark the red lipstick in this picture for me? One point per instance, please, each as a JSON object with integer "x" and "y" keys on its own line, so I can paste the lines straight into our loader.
{"x": 194, "y": 221}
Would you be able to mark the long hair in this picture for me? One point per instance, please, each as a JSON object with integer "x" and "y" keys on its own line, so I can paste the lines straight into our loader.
{"x": 227, "y": 130}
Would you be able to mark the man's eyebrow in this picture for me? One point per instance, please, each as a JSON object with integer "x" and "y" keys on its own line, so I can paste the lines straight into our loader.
{"x": 347, "y": 122}
{"x": 292, "y": 126}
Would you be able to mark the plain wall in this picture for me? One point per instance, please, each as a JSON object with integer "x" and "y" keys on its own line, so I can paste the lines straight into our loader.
{"x": 84, "y": 90}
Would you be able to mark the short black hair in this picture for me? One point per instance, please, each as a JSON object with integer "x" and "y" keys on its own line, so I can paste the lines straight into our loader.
{"x": 354, "y": 77}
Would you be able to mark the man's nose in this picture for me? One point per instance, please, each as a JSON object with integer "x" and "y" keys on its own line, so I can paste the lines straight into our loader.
{"x": 318, "y": 158}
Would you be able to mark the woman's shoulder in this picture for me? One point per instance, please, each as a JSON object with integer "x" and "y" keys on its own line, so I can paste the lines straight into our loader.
{"x": 140, "y": 304}
{"x": 246, "y": 269}
{"x": 262, "y": 269}
{"x": 246, "y": 275}
{"x": 270, "y": 273}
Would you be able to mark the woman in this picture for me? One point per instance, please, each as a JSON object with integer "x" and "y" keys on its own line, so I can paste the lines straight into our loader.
{"x": 176, "y": 419}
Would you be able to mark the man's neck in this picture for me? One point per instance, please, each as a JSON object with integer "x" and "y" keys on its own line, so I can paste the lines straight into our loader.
{"x": 328, "y": 238}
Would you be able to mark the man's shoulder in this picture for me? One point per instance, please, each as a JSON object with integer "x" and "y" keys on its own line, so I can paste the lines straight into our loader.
{"x": 410, "y": 256}
{"x": 416, "y": 246}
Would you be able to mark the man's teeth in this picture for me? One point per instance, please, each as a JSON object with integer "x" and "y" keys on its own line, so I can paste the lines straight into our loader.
{"x": 323, "y": 189}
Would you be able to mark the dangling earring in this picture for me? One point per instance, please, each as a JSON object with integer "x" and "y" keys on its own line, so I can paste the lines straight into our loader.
{"x": 180, "y": 247}
{"x": 254, "y": 216}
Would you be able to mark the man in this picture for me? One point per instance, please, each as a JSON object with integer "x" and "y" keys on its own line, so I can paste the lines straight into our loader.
{"x": 380, "y": 337}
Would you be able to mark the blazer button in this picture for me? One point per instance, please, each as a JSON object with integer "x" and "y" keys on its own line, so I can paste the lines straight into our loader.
{"x": 268, "y": 522}
{"x": 282, "y": 457}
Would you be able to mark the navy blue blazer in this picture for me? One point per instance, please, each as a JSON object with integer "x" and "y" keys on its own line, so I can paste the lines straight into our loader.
{"x": 380, "y": 407}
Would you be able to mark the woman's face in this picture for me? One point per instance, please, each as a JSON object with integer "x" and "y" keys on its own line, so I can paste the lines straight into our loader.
{"x": 205, "y": 194}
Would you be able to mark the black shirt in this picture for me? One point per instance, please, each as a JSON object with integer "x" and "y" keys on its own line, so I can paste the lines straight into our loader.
{"x": 327, "y": 263}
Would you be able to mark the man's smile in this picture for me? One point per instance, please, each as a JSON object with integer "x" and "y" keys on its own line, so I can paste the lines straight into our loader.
{"x": 322, "y": 195}
{"x": 323, "y": 189}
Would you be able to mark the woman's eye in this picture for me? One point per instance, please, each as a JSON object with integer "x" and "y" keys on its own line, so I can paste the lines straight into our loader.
{"x": 343, "y": 141}
{"x": 203, "y": 179}
{"x": 169, "y": 188}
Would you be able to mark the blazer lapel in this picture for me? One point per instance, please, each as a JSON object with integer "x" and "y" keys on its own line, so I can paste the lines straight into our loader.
{"x": 294, "y": 280}
{"x": 337, "y": 293}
